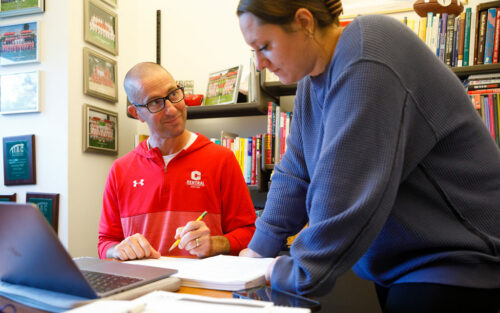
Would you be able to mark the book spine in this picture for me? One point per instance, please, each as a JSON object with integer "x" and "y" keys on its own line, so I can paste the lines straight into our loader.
{"x": 430, "y": 19}
{"x": 248, "y": 165}
{"x": 483, "y": 86}
{"x": 497, "y": 118}
{"x": 482, "y": 36}
{"x": 484, "y": 91}
{"x": 456, "y": 33}
{"x": 495, "y": 115}
{"x": 467, "y": 37}
{"x": 253, "y": 160}
{"x": 435, "y": 34}
{"x": 267, "y": 150}
{"x": 491, "y": 116}
{"x": 461, "y": 40}
{"x": 276, "y": 148}
{"x": 422, "y": 28}
{"x": 442, "y": 36}
{"x": 450, "y": 29}
{"x": 489, "y": 36}
{"x": 497, "y": 37}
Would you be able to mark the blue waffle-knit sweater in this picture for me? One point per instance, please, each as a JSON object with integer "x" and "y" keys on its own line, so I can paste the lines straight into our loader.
{"x": 392, "y": 167}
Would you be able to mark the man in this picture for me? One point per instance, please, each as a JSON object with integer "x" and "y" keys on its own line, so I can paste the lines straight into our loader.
{"x": 169, "y": 180}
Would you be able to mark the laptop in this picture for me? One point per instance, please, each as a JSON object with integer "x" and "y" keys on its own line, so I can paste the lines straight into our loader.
{"x": 32, "y": 255}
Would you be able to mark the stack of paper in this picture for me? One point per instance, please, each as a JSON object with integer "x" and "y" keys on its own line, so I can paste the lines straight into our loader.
{"x": 222, "y": 272}
{"x": 163, "y": 301}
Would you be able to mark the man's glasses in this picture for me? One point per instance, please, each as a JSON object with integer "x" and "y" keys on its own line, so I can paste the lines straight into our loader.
{"x": 157, "y": 105}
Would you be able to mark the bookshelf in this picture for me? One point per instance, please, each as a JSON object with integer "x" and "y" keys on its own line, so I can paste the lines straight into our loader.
{"x": 463, "y": 72}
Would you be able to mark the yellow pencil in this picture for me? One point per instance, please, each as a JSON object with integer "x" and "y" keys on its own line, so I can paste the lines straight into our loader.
{"x": 179, "y": 240}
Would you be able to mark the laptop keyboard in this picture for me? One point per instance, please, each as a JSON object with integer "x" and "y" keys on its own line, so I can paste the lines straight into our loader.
{"x": 102, "y": 282}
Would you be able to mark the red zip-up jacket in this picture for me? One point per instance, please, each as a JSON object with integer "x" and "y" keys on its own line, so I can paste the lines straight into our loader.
{"x": 142, "y": 195}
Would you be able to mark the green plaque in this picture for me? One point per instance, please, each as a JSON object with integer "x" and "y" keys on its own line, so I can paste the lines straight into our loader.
{"x": 4, "y": 200}
{"x": 18, "y": 160}
{"x": 45, "y": 206}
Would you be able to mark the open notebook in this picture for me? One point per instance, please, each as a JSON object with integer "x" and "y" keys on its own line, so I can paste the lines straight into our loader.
{"x": 222, "y": 272}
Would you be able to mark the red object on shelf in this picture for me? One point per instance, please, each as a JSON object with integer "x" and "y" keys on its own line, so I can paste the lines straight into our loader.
{"x": 193, "y": 100}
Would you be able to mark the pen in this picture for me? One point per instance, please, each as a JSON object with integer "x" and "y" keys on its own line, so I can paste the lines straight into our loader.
{"x": 179, "y": 240}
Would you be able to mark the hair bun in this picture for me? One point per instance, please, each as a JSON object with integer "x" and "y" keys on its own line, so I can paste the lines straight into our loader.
{"x": 334, "y": 6}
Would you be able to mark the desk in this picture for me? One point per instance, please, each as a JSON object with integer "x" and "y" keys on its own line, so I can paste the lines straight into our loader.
{"x": 188, "y": 290}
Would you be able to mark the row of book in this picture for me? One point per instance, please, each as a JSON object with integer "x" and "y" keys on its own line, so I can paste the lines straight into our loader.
{"x": 471, "y": 38}
{"x": 484, "y": 91}
{"x": 261, "y": 151}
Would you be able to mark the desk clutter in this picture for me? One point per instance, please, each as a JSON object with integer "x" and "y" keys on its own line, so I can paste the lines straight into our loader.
{"x": 163, "y": 301}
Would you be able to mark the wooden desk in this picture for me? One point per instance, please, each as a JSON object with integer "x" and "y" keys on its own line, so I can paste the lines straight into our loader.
{"x": 20, "y": 308}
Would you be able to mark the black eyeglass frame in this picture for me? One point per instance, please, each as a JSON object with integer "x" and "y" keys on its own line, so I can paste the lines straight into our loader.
{"x": 167, "y": 97}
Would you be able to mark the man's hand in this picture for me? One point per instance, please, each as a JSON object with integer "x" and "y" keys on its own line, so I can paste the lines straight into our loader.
{"x": 131, "y": 248}
{"x": 195, "y": 237}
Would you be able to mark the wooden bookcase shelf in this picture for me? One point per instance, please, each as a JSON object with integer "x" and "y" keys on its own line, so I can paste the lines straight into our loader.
{"x": 463, "y": 72}
{"x": 226, "y": 110}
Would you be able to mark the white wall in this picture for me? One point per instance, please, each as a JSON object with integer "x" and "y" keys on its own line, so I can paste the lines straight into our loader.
{"x": 50, "y": 126}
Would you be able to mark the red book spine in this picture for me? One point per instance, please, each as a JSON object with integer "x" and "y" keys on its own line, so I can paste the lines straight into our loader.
{"x": 492, "y": 123}
{"x": 483, "y": 91}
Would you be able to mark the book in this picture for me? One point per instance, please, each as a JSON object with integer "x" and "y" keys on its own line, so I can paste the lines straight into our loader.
{"x": 461, "y": 40}
{"x": 450, "y": 31}
{"x": 489, "y": 35}
{"x": 481, "y": 36}
{"x": 442, "y": 36}
{"x": 467, "y": 36}
{"x": 221, "y": 272}
{"x": 497, "y": 37}
{"x": 422, "y": 28}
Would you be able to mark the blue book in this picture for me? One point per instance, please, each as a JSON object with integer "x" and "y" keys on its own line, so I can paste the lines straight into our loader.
{"x": 468, "y": 16}
{"x": 442, "y": 36}
{"x": 490, "y": 35}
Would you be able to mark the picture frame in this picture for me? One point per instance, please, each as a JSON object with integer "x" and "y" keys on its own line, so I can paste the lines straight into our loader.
{"x": 8, "y": 197}
{"x": 112, "y": 3}
{"x": 20, "y": 92}
{"x": 48, "y": 203}
{"x": 223, "y": 86}
{"x": 364, "y": 7}
{"x": 99, "y": 76}
{"x": 101, "y": 26}
{"x": 100, "y": 130}
{"x": 13, "y": 7}
{"x": 19, "y": 43}
{"x": 19, "y": 160}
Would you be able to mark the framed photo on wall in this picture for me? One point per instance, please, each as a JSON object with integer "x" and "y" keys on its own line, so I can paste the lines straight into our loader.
{"x": 99, "y": 76}
{"x": 19, "y": 43}
{"x": 48, "y": 203}
{"x": 20, "y": 92}
{"x": 20, "y": 7}
{"x": 101, "y": 26}
{"x": 100, "y": 130}
{"x": 113, "y": 3}
{"x": 8, "y": 197}
{"x": 19, "y": 160}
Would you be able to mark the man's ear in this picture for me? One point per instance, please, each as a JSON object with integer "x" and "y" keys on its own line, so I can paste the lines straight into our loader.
{"x": 133, "y": 111}
{"x": 305, "y": 20}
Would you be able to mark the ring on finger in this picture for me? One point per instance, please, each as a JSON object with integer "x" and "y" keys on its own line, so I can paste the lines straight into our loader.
{"x": 197, "y": 242}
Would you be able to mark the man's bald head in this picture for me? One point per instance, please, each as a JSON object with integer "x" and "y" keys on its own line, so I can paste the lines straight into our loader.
{"x": 137, "y": 74}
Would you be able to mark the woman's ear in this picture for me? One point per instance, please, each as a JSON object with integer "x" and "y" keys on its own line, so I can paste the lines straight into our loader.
{"x": 305, "y": 21}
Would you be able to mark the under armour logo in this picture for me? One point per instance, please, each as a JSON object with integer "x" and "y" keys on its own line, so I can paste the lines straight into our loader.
{"x": 141, "y": 182}
{"x": 195, "y": 175}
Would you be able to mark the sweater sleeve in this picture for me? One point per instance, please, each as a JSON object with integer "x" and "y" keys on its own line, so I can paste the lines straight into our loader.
{"x": 353, "y": 183}
{"x": 238, "y": 213}
{"x": 110, "y": 227}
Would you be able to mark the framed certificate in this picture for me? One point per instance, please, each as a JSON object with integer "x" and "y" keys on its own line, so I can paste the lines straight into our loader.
{"x": 8, "y": 197}
{"x": 48, "y": 203}
{"x": 19, "y": 162}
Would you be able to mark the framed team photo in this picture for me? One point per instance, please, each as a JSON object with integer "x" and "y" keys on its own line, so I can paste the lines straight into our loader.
{"x": 99, "y": 75}
{"x": 20, "y": 7}
{"x": 100, "y": 130}
{"x": 101, "y": 26}
{"x": 19, "y": 43}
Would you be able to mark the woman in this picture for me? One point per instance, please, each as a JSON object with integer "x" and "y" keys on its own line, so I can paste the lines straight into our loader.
{"x": 387, "y": 160}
